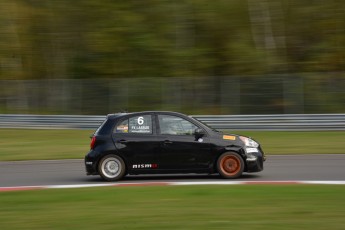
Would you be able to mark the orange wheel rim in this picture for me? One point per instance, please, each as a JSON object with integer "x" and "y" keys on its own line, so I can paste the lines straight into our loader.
{"x": 230, "y": 165}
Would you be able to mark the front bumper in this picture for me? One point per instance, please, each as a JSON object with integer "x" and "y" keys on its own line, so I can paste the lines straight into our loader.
{"x": 255, "y": 158}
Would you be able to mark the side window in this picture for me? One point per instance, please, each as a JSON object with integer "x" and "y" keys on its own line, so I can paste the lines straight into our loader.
{"x": 175, "y": 125}
{"x": 138, "y": 124}
{"x": 122, "y": 127}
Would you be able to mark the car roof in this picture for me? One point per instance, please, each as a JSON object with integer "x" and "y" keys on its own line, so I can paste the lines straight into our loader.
{"x": 115, "y": 115}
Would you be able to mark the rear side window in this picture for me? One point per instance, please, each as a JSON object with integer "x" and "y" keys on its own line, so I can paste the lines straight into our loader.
{"x": 137, "y": 124}
{"x": 122, "y": 127}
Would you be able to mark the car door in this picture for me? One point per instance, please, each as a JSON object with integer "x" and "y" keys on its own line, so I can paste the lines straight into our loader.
{"x": 180, "y": 149}
{"x": 135, "y": 139}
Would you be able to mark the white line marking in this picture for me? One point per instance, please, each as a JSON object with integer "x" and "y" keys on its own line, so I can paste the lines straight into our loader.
{"x": 20, "y": 188}
{"x": 325, "y": 182}
{"x": 79, "y": 185}
{"x": 208, "y": 183}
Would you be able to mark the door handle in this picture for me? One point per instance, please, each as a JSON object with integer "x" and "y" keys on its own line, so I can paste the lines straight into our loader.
{"x": 166, "y": 142}
{"x": 122, "y": 141}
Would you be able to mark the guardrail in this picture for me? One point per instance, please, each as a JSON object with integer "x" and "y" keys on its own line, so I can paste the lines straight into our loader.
{"x": 296, "y": 122}
{"x": 293, "y": 122}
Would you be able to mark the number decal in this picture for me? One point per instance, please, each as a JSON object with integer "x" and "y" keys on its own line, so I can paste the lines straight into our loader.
{"x": 140, "y": 120}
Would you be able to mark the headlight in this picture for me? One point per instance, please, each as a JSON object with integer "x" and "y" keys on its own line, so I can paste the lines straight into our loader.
{"x": 249, "y": 142}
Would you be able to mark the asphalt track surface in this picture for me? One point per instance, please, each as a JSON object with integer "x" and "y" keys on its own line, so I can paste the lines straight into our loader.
{"x": 71, "y": 172}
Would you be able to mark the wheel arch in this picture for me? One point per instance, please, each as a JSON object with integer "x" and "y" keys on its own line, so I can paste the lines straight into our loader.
{"x": 236, "y": 149}
{"x": 112, "y": 153}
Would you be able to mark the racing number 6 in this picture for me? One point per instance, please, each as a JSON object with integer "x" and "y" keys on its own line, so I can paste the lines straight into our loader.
{"x": 140, "y": 120}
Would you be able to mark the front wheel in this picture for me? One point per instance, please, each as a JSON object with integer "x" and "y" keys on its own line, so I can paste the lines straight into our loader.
{"x": 111, "y": 168}
{"x": 230, "y": 165}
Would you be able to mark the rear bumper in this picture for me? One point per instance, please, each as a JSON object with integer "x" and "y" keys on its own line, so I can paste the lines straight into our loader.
{"x": 90, "y": 163}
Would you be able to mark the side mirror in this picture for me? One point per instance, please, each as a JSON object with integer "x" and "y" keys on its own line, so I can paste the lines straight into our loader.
{"x": 199, "y": 132}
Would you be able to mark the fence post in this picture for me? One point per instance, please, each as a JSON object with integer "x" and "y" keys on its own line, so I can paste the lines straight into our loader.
{"x": 293, "y": 95}
{"x": 230, "y": 97}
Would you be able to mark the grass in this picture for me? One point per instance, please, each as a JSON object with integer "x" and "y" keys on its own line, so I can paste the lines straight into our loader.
{"x": 39, "y": 144}
{"x": 35, "y": 144}
{"x": 300, "y": 142}
{"x": 180, "y": 207}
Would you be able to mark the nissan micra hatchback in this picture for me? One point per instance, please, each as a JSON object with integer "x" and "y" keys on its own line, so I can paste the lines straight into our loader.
{"x": 168, "y": 142}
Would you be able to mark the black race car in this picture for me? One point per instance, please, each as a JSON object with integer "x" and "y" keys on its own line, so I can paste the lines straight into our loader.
{"x": 168, "y": 142}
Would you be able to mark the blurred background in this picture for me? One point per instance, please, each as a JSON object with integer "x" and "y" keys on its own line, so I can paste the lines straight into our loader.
{"x": 196, "y": 57}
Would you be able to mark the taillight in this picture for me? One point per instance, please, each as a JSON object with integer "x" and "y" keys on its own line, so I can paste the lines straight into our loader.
{"x": 93, "y": 142}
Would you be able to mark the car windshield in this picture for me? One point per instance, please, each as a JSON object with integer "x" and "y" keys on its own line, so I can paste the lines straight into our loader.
{"x": 213, "y": 129}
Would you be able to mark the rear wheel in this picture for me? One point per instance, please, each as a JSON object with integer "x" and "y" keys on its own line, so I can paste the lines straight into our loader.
{"x": 230, "y": 165}
{"x": 111, "y": 168}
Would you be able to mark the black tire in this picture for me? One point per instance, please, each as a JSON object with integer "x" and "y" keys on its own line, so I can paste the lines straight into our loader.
{"x": 111, "y": 168}
{"x": 230, "y": 165}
